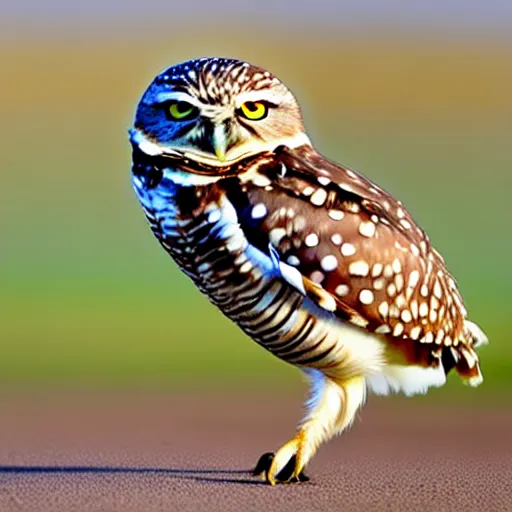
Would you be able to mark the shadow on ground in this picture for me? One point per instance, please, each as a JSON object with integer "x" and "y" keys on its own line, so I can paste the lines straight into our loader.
{"x": 216, "y": 475}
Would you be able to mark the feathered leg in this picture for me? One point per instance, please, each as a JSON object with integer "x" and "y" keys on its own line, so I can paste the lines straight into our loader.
{"x": 330, "y": 410}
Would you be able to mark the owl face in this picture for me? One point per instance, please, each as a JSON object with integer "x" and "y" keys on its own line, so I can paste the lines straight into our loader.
{"x": 217, "y": 111}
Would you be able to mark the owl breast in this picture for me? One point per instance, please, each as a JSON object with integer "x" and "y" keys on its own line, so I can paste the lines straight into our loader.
{"x": 198, "y": 226}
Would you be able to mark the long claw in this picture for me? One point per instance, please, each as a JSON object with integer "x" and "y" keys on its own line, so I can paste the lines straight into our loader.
{"x": 263, "y": 464}
{"x": 288, "y": 473}
{"x": 285, "y": 466}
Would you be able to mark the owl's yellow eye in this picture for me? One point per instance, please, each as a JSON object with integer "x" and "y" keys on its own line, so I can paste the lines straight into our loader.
{"x": 181, "y": 110}
{"x": 254, "y": 110}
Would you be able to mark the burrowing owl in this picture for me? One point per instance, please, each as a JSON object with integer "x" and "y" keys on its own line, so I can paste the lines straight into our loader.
{"x": 314, "y": 262}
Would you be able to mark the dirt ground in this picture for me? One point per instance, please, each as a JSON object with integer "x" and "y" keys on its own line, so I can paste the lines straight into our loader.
{"x": 141, "y": 451}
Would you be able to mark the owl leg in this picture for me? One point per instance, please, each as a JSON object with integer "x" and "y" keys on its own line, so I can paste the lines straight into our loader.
{"x": 330, "y": 410}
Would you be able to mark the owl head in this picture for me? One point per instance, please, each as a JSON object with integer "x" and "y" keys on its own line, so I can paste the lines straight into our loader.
{"x": 216, "y": 111}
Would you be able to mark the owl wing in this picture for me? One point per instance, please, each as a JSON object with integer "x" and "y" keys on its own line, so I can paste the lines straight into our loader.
{"x": 352, "y": 248}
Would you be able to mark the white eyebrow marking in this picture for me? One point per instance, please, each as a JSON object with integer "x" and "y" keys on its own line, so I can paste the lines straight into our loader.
{"x": 146, "y": 146}
{"x": 269, "y": 96}
{"x": 178, "y": 96}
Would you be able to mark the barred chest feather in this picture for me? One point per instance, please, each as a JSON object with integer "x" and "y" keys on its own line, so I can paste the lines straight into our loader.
{"x": 199, "y": 226}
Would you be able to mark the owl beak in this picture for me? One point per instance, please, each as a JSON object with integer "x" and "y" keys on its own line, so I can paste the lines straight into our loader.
{"x": 220, "y": 142}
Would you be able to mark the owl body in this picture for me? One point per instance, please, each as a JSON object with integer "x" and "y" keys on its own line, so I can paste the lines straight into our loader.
{"x": 313, "y": 261}
{"x": 199, "y": 226}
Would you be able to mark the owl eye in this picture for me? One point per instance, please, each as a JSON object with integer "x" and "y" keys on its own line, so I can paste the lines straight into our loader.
{"x": 254, "y": 110}
{"x": 181, "y": 110}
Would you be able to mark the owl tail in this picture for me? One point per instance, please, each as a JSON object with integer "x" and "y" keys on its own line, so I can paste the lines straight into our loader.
{"x": 466, "y": 359}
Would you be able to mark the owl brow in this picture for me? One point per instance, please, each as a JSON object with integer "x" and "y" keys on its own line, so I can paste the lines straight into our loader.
{"x": 268, "y": 97}
{"x": 165, "y": 97}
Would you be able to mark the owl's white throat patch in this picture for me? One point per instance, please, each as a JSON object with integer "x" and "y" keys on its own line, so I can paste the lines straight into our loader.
{"x": 146, "y": 146}
{"x": 151, "y": 148}
{"x": 191, "y": 179}
{"x": 179, "y": 177}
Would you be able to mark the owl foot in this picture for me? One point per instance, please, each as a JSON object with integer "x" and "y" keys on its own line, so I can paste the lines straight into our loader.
{"x": 284, "y": 466}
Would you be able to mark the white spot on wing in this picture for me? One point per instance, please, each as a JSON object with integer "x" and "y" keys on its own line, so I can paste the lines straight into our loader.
{"x": 415, "y": 332}
{"x": 379, "y": 283}
{"x": 329, "y": 262}
{"x": 366, "y": 297}
{"x": 414, "y": 278}
{"x": 345, "y": 187}
{"x": 336, "y": 239}
{"x": 348, "y": 249}
{"x": 406, "y": 316}
{"x": 311, "y": 240}
{"x": 406, "y": 224}
{"x": 342, "y": 290}
{"x": 293, "y": 260}
{"x": 317, "y": 277}
{"x": 336, "y": 214}
{"x": 428, "y": 338}
{"x": 358, "y": 320}
{"x": 259, "y": 211}
{"x": 383, "y": 309}
{"x": 359, "y": 268}
{"x": 377, "y": 269}
{"x": 437, "y": 290}
{"x": 276, "y": 235}
{"x": 319, "y": 197}
{"x": 367, "y": 229}
{"x": 398, "y": 330}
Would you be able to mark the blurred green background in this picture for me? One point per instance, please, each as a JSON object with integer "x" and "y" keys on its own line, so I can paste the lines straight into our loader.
{"x": 87, "y": 297}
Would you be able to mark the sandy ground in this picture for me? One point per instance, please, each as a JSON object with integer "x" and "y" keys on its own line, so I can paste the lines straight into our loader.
{"x": 80, "y": 451}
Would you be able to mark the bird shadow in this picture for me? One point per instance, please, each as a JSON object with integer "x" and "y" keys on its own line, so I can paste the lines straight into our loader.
{"x": 219, "y": 476}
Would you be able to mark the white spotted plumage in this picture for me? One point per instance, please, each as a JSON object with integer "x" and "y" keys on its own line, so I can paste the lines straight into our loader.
{"x": 312, "y": 260}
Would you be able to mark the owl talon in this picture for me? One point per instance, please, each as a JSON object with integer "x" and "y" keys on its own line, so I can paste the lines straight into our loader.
{"x": 263, "y": 464}
{"x": 289, "y": 473}
{"x": 284, "y": 466}
{"x": 286, "y": 475}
